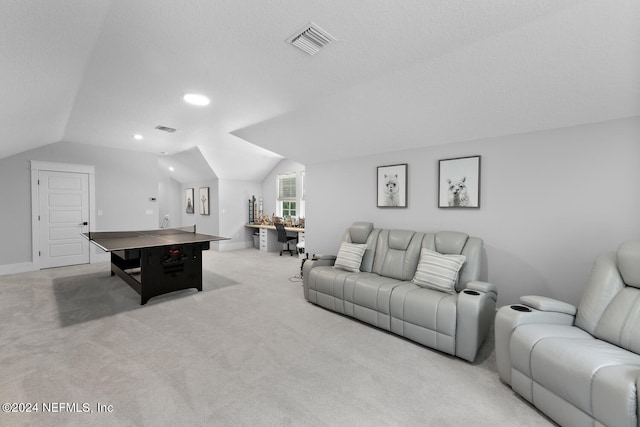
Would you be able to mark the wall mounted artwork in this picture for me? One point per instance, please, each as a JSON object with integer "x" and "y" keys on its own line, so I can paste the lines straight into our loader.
{"x": 392, "y": 186}
{"x": 459, "y": 182}
{"x": 204, "y": 200}
{"x": 189, "y": 200}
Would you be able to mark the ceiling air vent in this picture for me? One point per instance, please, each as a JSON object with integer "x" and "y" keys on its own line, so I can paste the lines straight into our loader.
{"x": 166, "y": 129}
{"x": 311, "y": 39}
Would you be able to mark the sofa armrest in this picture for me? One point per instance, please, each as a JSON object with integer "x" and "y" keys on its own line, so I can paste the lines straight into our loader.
{"x": 510, "y": 317}
{"x": 486, "y": 287}
{"x": 548, "y": 304}
{"x": 316, "y": 261}
{"x": 474, "y": 315}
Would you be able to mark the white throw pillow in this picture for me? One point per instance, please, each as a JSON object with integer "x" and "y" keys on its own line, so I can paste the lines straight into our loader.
{"x": 350, "y": 256}
{"x": 437, "y": 271}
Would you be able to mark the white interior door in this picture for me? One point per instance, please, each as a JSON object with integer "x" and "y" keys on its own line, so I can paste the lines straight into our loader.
{"x": 64, "y": 215}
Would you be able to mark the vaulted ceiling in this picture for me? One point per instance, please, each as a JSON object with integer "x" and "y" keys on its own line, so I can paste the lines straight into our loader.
{"x": 402, "y": 74}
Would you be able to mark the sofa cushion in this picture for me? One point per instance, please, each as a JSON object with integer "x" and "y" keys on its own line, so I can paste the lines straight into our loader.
{"x": 620, "y": 321}
{"x": 577, "y": 370}
{"x": 370, "y": 291}
{"x": 437, "y": 271}
{"x": 397, "y": 254}
{"x": 359, "y": 232}
{"x": 614, "y": 395}
{"x": 326, "y": 287}
{"x": 368, "y": 295}
{"x": 526, "y": 337}
{"x": 603, "y": 285}
{"x": 628, "y": 254}
{"x": 450, "y": 242}
{"x": 350, "y": 256}
{"x": 425, "y": 316}
{"x": 572, "y": 365}
{"x": 608, "y": 309}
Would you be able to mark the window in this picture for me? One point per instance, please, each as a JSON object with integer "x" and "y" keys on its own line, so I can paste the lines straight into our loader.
{"x": 288, "y": 209}
{"x": 287, "y": 202}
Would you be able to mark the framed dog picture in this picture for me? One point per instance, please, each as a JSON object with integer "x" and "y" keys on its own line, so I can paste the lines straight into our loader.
{"x": 392, "y": 186}
{"x": 459, "y": 182}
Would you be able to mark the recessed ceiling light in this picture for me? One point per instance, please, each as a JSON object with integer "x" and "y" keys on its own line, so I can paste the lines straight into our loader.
{"x": 196, "y": 99}
{"x": 138, "y": 136}
{"x": 171, "y": 168}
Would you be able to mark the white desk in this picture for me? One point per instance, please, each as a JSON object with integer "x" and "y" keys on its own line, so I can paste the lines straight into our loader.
{"x": 269, "y": 236}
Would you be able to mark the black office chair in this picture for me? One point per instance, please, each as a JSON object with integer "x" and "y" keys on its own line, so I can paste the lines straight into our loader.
{"x": 283, "y": 238}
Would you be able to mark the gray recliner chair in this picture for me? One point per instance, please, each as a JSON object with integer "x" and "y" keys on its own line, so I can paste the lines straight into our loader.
{"x": 580, "y": 366}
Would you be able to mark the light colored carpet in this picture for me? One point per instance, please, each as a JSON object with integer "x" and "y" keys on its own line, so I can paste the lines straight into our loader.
{"x": 248, "y": 350}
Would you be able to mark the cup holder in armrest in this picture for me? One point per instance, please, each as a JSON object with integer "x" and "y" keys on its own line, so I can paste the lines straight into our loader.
{"x": 470, "y": 292}
{"x": 520, "y": 308}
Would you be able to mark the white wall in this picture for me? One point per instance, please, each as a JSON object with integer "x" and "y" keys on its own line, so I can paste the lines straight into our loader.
{"x": 169, "y": 201}
{"x": 551, "y": 201}
{"x": 125, "y": 181}
{"x": 234, "y": 198}
{"x": 207, "y": 224}
{"x": 228, "y": 208}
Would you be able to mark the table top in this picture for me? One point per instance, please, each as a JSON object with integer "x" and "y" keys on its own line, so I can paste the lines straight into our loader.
{"x": 121, "y": 240}
{"x": 273, "y": 227}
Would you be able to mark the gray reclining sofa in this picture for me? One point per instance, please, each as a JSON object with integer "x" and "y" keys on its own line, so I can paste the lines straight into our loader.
{"x": 580, "y": 366}
{"x": 381, "y": 288}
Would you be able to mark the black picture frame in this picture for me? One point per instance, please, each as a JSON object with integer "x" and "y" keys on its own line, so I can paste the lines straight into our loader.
{"x": 189, "y": 200}
{"x": 203, "y": 200}
{"x": 392, "y": 182}
{"x": 459, "y": 183}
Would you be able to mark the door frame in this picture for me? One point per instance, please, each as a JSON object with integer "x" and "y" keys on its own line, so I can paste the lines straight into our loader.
{"x": 36, "y": 166}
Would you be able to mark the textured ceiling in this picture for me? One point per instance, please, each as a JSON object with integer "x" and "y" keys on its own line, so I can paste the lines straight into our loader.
{"x": 402, "y": 74}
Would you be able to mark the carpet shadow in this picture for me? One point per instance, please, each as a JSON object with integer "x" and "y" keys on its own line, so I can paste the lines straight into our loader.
{"x": 212, "y": 281}
{"x": 93, "y": 296}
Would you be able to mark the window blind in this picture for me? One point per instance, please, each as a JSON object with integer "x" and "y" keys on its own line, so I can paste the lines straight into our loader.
{"x": 287, "y": 186}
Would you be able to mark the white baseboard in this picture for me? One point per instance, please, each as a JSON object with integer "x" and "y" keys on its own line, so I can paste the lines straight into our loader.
{"x": 22, "y": 267}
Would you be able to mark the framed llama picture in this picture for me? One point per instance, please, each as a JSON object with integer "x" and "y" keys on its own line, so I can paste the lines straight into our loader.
{"x": 204, "y": 200}
{"x": 392, "y": 186}
{"x": 459, "y": 183}
{"x": 188, "y": 200}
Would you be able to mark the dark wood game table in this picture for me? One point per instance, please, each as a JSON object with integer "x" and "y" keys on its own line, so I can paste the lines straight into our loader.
{"x": 155, "y": 262}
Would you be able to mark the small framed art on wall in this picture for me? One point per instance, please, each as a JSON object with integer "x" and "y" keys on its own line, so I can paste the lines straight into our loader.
{"x": 392, "y": 186}
{"x": 459, "y": 182}
{"x": 204, "y": 200}
{"x": 188, "y": 200}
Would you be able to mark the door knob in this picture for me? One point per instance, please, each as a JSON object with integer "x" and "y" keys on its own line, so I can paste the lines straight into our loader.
{"x": 84, "y": 223}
